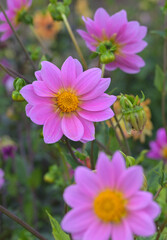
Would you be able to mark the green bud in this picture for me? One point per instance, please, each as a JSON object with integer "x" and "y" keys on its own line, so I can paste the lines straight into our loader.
{"x": 53, "y": 1}
{"x": 67, "y": 2}
{"x": 24, "y": 17}
{"x": 107, "y": 57}
{"x": 49, "y": 178}
{"x": 16, "y": 96}
{"x": 18, "y": 84}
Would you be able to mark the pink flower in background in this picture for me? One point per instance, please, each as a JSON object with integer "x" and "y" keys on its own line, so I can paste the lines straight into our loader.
{"x": 108, "y": 204}
{"x": 68, "y": 101}
{"x": 7, "y": 80}
{"x": 158, "y": 148}
{"x": 14, "y": 8}
{"x": 125, "y": 38}
{"x": 2, "y": 180}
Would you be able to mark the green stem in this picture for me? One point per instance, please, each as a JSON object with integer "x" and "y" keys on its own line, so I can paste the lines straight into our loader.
{"x": 103, "y": 70}
{"x": 71, "y": 152}
{"x": 74, "y": 40}
{"x": 158, "y": 192}
{"x": 164, "y": 81}
{"x": 103, "y": 147}
{"x": 20, "y": 222}
{"x": 17, "y": 37}
{"x": 92, "y": 156}
{"x": 161, "y": 229}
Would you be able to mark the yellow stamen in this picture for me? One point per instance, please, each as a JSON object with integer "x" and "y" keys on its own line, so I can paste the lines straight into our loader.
{"x": 110, "y": 206}
{"x": 164, "y": 152}
{"x": 67, "y": 101}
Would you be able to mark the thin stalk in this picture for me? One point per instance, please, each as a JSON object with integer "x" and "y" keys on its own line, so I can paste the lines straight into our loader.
{"x": 20, "y": 222}
{"x": 161, "y": 229}
{"x": 118, "y": 139}
{"x": 17, "y": 37}
{"x": 92, "y": 156}
{"x": 158, "y": 192}
{"x": 123, "y": 135}
{"x": 109, "y": 152}
{"x": 71, "y": 152}
{"x": 7, "y": 71}
{"x": 74, "y": 40}
{"x": 164, "y": 81}
{"x": 103, "y": 70}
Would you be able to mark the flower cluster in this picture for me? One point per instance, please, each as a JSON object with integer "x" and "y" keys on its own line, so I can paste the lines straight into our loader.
{"x": 109, "y": 203}
{"x": 13, "y": 11}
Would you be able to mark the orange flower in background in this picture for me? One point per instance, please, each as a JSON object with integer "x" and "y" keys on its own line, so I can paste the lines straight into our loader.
{"x": 44, "y": 25}
{"x": 82, "y": 8}
{"x": 147, "y": 131}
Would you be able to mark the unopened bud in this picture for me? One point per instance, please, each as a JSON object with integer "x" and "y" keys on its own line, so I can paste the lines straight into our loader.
{"x": 18, "y": 84}
{"x": 107, "y": 57}
{"x": 16, "y": 96}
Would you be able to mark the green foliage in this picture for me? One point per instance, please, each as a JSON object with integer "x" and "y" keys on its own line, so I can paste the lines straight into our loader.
{"x": 159, "y": 78}
{"x": 56, "y": 229}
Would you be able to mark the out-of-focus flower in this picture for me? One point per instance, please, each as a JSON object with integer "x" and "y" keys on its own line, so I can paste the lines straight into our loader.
{"x": 2, "y": 180}
{"x": 44, "y": 25}
{"x": 121, "y": 39}
{"x": 15, "y": 7}
{"x": 158, "y": 148}
{"x": 68, "y": 101}
{"x": 109, "y": 203}
{"x": 8, "y": 147}
{"x": 7, "y": 80}
{"x": 82, "y": 8}
{"x": 141, "y": 135}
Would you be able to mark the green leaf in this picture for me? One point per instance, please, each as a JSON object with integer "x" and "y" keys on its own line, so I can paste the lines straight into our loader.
{"x": 159, "y": 77}
{"x": 57, "y": 232}
{"x": 159, "y": 33}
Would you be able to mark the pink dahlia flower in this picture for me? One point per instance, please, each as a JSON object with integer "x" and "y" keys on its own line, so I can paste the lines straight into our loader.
{"x": 125, "y": 38}
{"x": 109, "y": 204}
{"x": 14, "y": 8}
{"x": 68, "y": 101}
{"x": 158, "y": 148}
{"x": 2, "y": 181}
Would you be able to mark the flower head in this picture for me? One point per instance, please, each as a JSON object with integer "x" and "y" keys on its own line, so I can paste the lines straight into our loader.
{"x": 121, "y": 38}
{"x": 158, "y": 148}
{"x": 13, "y": 11}
{"x": 8, "y": 147}
{"x": 44, "y": 25}
{"x": 68, "y": 101}
{"x": 109, "y": 204}
{"x": 2, "y": 180}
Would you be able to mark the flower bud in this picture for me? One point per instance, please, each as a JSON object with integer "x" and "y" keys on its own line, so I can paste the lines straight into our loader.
{"x": 16, "y": 96}
{"x": 107, "y": 57}
{"x": 19, "y": 83}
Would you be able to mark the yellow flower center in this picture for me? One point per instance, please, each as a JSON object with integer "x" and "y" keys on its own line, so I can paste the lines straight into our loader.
{"x": 164, "y": 152}
{"x": 67, "y": 101}
{"x": 110, "y": 206}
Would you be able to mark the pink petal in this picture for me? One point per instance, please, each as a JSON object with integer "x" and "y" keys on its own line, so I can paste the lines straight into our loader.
{"x": 98, "y": 90}
{"x": 153, "y": 210}
{"x": 98, "y": 230}
{"x": 162, "y": 137}
{"x": 118, "y": 166}
{"x": 131, "y": 180}
{"x": 6, "y": 35}
{"x": 141, "y": 33}
{"x": 100, "y": 103}
{"x": 79, "y": 68}
{"x": 90, "y": 42}
{"x": 41, "y": 112}
{"x": 72, "y": 127}
{"x": 117, "y": 21}
{"x": 101, "y": 18}
{"x": 89, "y": 129}
{"x": 76, "y": 198}
{"x": 96, "y": 116}
{"x": 41, "y": 89}
{"x": 29, "y": 95}
{"x": 52, "y": 129}
{"x": 27, "y": 109}
{"x": 51, "y": 75}
{"x": 87, "y": 80}
{"x": 87, "y": 181}
{"x": 141, "y": 224}
{"x": 4, "y": 27}
{"x": 77, "y": 219}
{"x": 135, "y": 47}
{"x": 139, "y": 200}
{"x": 92, "y": 28}
{"x": 38, "y": 75}
{"x": 105, "y": 171}
{"x": 128, "y": 33}
{"x": 68, "y": 71}
{"x": 121, "y": 232}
